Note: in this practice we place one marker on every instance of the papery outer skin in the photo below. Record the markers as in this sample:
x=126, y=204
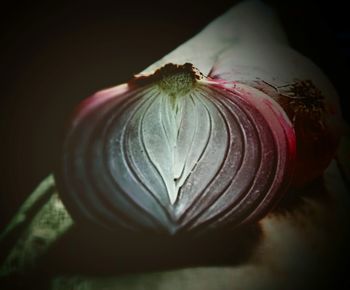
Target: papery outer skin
x=136, y=158
x=252, y=22
x=279, y=66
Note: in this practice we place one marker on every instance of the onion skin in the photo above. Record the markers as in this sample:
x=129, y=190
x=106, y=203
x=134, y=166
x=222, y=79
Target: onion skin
x=301, y=89
x=176, y=152
x=313, y=118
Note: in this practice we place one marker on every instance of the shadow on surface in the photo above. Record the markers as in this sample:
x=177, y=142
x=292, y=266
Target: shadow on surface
x=92, y=252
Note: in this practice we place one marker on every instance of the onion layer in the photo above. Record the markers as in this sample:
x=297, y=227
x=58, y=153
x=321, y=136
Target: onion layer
x=176, y=152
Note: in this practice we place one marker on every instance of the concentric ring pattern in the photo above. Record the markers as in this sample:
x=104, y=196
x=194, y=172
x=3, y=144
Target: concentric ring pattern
x=149, y=161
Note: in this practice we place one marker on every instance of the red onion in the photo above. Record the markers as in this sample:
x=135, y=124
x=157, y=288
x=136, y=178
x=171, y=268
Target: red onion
x=174, y=152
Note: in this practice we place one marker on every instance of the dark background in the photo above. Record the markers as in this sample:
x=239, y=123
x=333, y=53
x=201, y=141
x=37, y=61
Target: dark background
x=55, y=54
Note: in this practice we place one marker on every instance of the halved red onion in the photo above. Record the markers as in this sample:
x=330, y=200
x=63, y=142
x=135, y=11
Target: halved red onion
x=176, y=152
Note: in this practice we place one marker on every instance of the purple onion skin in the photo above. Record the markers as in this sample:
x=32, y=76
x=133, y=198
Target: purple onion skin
x=176, y=152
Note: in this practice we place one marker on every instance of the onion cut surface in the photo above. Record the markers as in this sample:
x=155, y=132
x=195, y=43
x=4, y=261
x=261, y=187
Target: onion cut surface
x=176, y=152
